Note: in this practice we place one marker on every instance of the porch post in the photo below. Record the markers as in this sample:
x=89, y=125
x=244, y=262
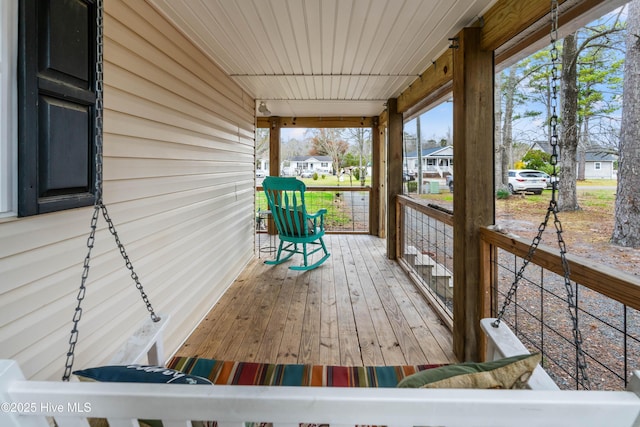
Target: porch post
x=374, y=195
x=473, y=195
x=274, y=161
x=394, y=172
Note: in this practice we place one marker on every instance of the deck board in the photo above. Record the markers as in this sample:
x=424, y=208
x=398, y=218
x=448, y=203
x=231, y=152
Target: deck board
x=357, y=309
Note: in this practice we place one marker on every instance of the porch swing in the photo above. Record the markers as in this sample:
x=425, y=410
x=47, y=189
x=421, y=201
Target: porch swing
x=501, y=341
x=27, y=403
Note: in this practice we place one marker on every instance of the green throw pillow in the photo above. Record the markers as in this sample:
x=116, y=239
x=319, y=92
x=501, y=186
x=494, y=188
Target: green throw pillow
x=511, y=372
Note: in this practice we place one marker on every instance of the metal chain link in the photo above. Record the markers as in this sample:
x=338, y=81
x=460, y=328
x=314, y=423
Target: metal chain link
x=553, y=209
x=128, y=264
x=73, y=339
x=98, y=205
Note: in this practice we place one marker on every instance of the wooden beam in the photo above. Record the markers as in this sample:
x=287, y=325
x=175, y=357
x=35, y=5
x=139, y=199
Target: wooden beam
x=507, y=18
x=318, y=122
x=543, y=31
x=436, y=76
x=500, y=24
x=383, y=119
x=473, y=200
x=394, y=173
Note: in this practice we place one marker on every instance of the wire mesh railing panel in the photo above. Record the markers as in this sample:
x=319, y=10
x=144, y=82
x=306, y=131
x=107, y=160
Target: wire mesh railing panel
x=347, y=207
x=428, y=252
x=539, y=316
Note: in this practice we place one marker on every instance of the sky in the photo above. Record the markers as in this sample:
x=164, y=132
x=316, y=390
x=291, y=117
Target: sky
x=292, y=133
x=435, y=123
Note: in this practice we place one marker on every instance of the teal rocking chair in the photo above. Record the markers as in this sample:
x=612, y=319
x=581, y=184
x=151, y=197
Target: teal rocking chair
x=297, y=229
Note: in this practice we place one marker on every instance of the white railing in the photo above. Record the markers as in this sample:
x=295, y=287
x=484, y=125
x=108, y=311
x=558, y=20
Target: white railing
x=26, y=403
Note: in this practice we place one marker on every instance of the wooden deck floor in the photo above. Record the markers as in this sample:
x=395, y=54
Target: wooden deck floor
x=357, y=309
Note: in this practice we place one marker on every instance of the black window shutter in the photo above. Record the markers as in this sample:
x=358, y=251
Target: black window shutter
x=57, y=101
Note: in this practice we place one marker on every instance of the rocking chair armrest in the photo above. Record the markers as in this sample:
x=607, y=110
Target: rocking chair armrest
x=317, y=214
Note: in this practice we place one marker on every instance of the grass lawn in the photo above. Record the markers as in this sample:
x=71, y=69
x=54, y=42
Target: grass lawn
x=315, y=200
x=329, y=180
x=597, y=183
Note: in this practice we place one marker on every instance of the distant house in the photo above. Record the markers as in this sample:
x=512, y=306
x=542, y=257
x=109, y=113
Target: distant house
x=599, y=165
x=437, y=161
x=598, y=162
x=320, y=164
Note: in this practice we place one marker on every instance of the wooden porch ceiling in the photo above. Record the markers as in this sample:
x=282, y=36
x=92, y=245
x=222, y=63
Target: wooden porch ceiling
x=328, y=58
x=357, y=309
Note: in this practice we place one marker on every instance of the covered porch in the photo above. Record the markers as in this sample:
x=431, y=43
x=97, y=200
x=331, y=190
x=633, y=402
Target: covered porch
x=358, y=309
x=180, y=116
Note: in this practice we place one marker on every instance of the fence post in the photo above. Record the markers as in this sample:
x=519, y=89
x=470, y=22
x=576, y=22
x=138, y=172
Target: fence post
x=488, y=253
x=399, y=228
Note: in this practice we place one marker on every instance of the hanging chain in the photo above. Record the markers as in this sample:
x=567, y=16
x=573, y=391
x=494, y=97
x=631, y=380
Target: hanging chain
x=128, y=264
x=98, y=205
x=553, y=209
x=73, y=339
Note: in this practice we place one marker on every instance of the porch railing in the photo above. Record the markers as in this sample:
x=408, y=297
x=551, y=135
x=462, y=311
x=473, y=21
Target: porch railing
x=347, y=208
x=608, y=303
x=425, y=248
x=608, y=300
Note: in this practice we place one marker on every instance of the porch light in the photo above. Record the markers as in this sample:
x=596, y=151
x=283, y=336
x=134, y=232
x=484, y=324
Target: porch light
x=262, y=108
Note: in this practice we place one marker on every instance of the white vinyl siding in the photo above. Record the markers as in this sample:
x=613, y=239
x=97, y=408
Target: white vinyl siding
x=179, y=185
x=599, y=170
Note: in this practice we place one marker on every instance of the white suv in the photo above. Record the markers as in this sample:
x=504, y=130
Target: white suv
x=527, y=180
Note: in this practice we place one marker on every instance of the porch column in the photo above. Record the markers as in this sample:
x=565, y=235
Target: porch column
x=473, y=195
x=394, y=172
x=374, y=195
x=274, y=160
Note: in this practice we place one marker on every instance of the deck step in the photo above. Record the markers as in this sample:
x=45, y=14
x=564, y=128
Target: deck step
x=435, y=275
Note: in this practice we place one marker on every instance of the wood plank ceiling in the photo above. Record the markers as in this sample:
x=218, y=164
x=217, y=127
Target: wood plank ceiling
x=318, y=58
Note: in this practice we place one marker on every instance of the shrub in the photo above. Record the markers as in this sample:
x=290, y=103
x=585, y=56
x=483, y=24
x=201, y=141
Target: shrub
x=412, y=186
x=324, y=176
x=315, y=176
x=503, y=193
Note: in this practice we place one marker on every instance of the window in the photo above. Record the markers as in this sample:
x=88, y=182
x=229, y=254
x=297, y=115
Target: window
x=56, y=105
x=8, y=107
x=597, y=166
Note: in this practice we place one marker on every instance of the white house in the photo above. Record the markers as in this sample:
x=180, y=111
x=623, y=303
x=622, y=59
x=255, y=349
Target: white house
x=320, y=164
x=599, y=165
x=435, y=161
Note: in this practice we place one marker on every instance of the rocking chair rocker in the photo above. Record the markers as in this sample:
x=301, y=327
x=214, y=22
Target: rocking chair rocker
x=295, y=226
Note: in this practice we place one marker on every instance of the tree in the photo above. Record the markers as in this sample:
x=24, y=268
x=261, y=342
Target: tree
x=513, y=96
x=361, y=137
x=576, y=47
x=500, y=153
x=509, y=84
x=567, y=195
x=262, y=145
x=292, y=148
x=329, y=142
x=599, y=70
x=626, y=230
x=536, y=159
